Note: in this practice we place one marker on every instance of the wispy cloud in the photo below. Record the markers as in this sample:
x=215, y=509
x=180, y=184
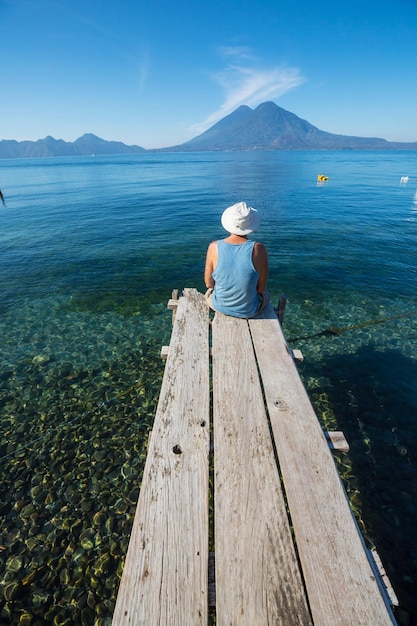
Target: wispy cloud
x=143, y=68
x=244, y=82
x=240, y=52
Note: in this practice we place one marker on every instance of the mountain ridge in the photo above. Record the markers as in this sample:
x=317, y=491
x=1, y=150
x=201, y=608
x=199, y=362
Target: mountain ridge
x=270, y=127
x=85, y=145
x=267, y=127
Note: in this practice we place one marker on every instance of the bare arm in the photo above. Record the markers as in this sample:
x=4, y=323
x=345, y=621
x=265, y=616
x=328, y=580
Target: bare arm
x=260, y=262
x=211, y=262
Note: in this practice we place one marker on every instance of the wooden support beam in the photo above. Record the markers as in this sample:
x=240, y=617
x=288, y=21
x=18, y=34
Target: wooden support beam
x=282, y=303
x=164, y=352
x=297, y=355
x=336, y=440
x=173, y=303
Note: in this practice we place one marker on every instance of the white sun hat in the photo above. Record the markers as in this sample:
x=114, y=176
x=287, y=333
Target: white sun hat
x=240, y=219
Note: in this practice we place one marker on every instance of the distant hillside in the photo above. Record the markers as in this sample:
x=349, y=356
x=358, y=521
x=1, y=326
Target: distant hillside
x=269, y=127
x=49, y=147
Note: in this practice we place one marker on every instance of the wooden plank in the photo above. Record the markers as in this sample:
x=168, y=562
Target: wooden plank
x=172, y=304
x=336, y=440
x=341, y=585
x=165, y=578
x=165, y=350
x=297, y=355
x=258, y=581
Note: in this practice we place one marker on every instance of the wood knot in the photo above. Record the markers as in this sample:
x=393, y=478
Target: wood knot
x=177, y=449
x=281, y=405
x=145, y=573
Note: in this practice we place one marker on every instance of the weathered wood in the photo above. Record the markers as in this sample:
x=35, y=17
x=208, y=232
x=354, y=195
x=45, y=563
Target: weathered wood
x=383, y=577
x=258, y=582
x=341, y=585
x=165, y=350
x=165, y=577
x=264, y=568
x=172, y=304
x=336, y=440
x=297, y=355
x=282, y=303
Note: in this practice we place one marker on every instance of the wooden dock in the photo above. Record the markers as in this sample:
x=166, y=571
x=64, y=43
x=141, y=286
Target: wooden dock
x=287, y=548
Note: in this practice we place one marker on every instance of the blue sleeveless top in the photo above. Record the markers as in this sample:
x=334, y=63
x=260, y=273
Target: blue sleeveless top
x=235, y=280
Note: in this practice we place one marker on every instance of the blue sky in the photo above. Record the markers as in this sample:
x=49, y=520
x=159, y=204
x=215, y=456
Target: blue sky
x=158, y=72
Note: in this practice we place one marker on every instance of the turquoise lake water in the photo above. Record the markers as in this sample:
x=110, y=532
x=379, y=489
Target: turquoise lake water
x=90, y=251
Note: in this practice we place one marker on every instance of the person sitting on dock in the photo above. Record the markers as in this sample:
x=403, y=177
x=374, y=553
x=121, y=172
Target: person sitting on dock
x=236, y=270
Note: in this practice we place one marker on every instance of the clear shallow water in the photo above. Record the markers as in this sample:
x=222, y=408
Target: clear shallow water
x=90, y=250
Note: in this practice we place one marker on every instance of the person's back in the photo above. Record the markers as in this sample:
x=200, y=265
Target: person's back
x=236, y=280
x=236, y=268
